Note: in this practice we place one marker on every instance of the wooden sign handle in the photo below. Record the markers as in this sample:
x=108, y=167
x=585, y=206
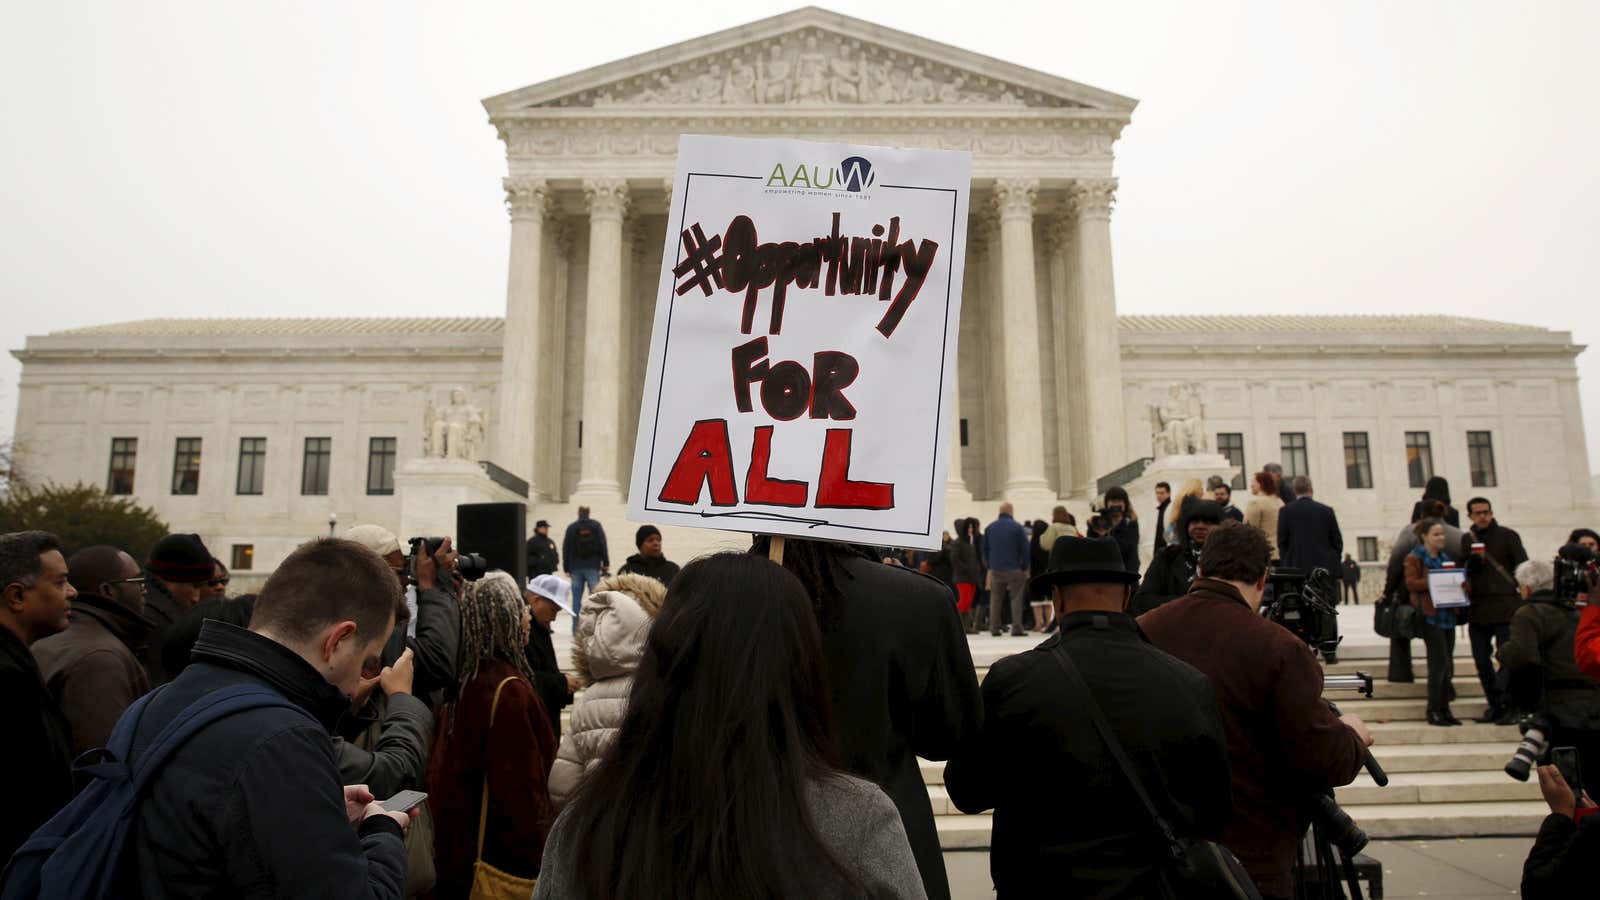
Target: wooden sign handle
x=775, y=549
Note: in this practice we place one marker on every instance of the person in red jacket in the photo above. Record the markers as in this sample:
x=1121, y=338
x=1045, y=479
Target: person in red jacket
x=509, y=758
x=1587, y=642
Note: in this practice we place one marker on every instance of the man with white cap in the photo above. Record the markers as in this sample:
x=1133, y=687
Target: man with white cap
x=434, y=630
x=547, y=595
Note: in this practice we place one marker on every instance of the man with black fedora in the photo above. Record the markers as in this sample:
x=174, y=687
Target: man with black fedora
x=1068, y=825
x=175, y=573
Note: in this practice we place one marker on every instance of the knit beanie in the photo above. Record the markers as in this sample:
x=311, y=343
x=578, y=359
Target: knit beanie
x=644, y=533
x=181, y=559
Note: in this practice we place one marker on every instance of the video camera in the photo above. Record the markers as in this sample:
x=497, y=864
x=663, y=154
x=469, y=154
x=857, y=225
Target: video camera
x=1576, y=572
x=470, y=566
x=1301, y=603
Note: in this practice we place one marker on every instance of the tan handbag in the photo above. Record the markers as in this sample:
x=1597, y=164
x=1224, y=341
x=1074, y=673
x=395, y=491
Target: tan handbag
x=489, y=883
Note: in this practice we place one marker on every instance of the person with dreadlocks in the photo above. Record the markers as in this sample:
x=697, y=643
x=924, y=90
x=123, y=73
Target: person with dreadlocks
x=900, y=677
x=493, y=744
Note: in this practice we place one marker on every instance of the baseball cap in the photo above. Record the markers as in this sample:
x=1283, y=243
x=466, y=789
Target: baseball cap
x=553, y=588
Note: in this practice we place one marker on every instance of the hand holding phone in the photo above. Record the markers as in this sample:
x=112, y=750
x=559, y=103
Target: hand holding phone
x=403, y=801
x=1566, y=762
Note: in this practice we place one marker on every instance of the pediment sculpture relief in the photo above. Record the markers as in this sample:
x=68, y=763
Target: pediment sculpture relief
x=811, y=68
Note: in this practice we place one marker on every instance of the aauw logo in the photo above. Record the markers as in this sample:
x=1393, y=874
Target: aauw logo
x=854, y=175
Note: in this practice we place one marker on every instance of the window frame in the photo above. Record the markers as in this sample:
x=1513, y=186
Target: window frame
x=1291, y=468
x=251, y=479
x=384, y=457
x=126, y=451
x=1364, y=542
x=1238, y=483
x=1473, y=459
x=242, y=557
x=318, y=462
x=1358, y=443
x=192, y=456
x=1419, y=458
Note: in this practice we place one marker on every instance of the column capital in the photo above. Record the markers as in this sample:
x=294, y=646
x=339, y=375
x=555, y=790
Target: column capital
x=608, y=197
x=527, y=198
x=981, y=230
x=1013, y=197
x=1092, y=197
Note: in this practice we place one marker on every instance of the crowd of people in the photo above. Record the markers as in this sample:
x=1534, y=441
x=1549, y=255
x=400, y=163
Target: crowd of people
x=747, y=725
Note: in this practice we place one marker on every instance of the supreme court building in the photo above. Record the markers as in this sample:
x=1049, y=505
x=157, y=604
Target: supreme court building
x=252, y=432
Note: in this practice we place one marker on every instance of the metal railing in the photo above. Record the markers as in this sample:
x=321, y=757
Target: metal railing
x=1123, y=475
x=505, y=479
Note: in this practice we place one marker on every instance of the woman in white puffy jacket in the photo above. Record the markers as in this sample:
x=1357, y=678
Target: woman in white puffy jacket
x=612, y=628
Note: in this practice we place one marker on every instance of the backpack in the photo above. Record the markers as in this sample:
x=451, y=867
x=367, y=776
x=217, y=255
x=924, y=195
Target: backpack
x=585, y=542
x=80, y=851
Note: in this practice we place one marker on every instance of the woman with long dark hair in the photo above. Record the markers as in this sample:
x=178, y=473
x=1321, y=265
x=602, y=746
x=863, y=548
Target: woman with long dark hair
x=721, y=780
x=968, y=573
x=1438, y=489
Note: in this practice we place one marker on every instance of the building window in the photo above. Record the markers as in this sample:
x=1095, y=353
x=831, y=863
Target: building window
x=186, y=466
x=380, y=465
x=1295, y=462
x=1480, y=458
x=252, y=465
x=1419, y=458
x=1367, y=549
x=244, y=556
x=1357, y=460
x=1231, y=445
x=963, y=432
x=124, y=454
x=314, y=470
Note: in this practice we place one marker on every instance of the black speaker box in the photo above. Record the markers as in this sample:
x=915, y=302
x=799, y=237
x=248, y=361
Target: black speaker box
x=497, y=532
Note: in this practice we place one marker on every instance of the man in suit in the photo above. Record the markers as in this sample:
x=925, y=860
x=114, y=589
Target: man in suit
x=1077, y=833
x=1308, y=532
x=1163, y=500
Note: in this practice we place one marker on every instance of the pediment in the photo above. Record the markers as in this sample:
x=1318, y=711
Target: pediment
x=808, y=58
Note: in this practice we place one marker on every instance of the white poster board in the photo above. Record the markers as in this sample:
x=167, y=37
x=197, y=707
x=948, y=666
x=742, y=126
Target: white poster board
x=1445, y=588
x=804, y=347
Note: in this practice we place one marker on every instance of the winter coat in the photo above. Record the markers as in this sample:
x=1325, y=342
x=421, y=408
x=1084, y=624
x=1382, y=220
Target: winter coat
x=1495, y=597
x=513, y=757
x=548, y=679
x=1561, y=863
x=1416, y=580
x=164, y=611
x=964, y=562
x=1542, y=636
x=542, y=555
x=1171, y=572
x=1309, y=536
x=1283, y=741
x=252, y=805
x=389, y=754
x=595, y=559
x=1005, y=545
x=1407, y=541
x=1586, y=646
x=436, y=646
x=1055, y=532
x=36, y=752
x=658, y=567
x=1163, y=712
x=612, y=628
x=1262, y=512
x=91, y=668
x=1126, y=534
x=902, y=686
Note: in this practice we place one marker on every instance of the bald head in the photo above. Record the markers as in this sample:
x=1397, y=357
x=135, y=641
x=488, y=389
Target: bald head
x=1007, y=509
x=1093, y=596
x=94, y=571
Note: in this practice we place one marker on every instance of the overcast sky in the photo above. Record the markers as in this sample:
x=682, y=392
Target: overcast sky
x=332, y=158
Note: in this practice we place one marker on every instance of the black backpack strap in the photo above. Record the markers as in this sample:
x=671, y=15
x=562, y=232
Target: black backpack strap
x=1078, y=685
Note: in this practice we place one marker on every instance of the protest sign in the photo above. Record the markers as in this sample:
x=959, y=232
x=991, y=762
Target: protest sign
x=804, y=345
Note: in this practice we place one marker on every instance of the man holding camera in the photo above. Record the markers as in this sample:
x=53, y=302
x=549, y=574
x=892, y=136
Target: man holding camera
x=1285, y=744
x=1542, y=666
x=1493, y=553
x=433, y=631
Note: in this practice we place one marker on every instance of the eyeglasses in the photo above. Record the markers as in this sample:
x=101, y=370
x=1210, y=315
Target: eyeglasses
x=136, y=579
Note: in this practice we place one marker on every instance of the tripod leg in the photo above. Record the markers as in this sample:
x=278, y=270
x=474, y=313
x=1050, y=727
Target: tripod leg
x=1350, y=876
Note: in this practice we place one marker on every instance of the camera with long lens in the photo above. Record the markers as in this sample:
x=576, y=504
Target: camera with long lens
x=1576, y=572
x=1535, y=742
x=470, y=566
x=1340, y=830
x=1300, y=601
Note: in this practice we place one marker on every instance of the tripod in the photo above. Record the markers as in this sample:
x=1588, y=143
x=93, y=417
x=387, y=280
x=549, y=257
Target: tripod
x=1319, y=867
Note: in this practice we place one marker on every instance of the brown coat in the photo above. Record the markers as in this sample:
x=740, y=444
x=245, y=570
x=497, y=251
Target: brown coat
x=1284, y=743
x=92, y=670
x=1417, y=583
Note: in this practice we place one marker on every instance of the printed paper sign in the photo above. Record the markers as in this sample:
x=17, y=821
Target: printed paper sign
x=805, y=341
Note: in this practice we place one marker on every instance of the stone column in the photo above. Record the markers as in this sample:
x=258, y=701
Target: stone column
x=598, y=476
x=1071, y=426
x=1094, y=295
x=514, y=429
x=955, y=484
x=552, y=433
x=1020, y=328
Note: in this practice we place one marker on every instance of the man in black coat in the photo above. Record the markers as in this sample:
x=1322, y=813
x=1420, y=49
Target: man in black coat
x=1163, y=503
x=1080, y=833
x=176, y=571
x=900, y=677
x=36, y=752
x=262, y=784
x=650, y=560
x=1495, y=598
x=543, y=557
x=1308, y=532
x=548, y=594
x=1122, y=527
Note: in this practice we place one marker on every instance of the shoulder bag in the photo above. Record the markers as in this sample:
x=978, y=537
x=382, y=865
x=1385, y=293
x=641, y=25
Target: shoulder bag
x=489, y=883
x=1194, y=869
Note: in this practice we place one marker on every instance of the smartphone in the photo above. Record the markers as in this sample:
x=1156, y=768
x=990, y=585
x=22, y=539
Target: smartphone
x=1566, y=760
x=403, y=801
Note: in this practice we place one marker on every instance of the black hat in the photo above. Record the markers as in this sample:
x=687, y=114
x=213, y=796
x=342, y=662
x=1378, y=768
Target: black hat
x=181, y=559
x=1075, y=560
x=540, y=524
x=1202, y=511
x=644, y=533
